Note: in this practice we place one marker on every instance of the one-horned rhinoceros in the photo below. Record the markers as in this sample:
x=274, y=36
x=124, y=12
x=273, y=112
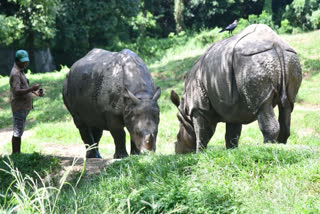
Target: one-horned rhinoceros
x=109, y=91
x=236, y=81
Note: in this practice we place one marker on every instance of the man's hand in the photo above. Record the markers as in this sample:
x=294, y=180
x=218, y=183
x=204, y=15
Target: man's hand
x=35, y=87
x=38, y=93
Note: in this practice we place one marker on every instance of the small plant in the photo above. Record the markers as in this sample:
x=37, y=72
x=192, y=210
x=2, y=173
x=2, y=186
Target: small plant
x=285, y=27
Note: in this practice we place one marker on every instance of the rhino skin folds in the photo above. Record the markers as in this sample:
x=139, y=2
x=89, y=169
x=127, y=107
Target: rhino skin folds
x=237, y=81
x=109, y=91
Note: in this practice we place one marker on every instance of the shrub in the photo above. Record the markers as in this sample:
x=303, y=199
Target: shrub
x=285, y=27
x=315, y=19
x=303, y=14
x=263, y=18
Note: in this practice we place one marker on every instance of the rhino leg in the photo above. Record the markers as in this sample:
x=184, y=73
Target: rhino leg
x=97, y=134
x=203, y=130
x=134, y=150
x=88, y=139
x=233, y=132
x=268, y=123
x=119, y=137
x=284, y=120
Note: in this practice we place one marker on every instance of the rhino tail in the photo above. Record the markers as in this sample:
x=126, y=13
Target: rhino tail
x=283, y=89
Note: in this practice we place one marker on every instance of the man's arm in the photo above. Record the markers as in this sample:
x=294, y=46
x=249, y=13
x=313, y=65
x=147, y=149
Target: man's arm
x=21, y=92
x=15, y=84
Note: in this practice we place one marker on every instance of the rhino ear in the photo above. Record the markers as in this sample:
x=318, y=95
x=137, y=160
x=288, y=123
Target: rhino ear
x=175, y=98
x=131, y=96
x=157, y=94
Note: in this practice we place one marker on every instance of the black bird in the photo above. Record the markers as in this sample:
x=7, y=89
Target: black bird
x=230, y=28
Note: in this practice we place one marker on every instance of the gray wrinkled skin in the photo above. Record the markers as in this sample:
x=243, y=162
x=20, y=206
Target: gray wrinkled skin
x=237, y=81
x=109, y=91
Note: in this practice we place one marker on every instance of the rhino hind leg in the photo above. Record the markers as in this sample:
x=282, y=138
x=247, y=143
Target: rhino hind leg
x=284, y=120
x=233, y=132
x=119, y=137
x=268, y=123
x=88, y=138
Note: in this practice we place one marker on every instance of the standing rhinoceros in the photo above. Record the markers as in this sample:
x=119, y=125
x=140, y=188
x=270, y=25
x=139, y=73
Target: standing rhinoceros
x=107, y=91
x=236, y=81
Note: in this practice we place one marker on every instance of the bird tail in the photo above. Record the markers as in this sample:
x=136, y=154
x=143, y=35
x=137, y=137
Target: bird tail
x=221, y=30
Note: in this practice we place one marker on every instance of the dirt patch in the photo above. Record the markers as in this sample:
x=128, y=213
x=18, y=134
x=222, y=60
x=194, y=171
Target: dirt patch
x=305, y=132
x=71, y=155
x=6, y=136
x=307, y=107
x=72, y=159
x=72, y=167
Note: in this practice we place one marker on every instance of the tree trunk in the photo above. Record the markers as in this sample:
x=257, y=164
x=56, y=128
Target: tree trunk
x=267, y=6
x=178, y=15
x=31, y=49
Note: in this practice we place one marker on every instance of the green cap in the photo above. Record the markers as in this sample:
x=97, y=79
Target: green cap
x=22, y=56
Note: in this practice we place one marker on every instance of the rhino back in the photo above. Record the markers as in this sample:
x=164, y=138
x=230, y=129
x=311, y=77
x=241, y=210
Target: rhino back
x=93, y=87
x=238, y=75
x=137, y=77
x=263, y=64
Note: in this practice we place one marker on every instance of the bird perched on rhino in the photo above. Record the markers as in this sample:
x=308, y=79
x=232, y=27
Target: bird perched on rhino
x=230, y=27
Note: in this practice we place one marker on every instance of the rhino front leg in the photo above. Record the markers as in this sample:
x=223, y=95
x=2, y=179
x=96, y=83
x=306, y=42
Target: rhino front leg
x=134, y=150
x=88, y=139
x=233, y=132
x=97, y=134
x=119, y=137
x=284, y=120
x=268, y=123
x=203, y=130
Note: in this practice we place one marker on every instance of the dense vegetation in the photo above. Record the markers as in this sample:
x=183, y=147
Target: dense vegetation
x=73, y=27
x=255, y=178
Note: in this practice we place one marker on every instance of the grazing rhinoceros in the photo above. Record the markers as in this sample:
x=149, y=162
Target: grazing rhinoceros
x=107, y=91
x=236, y=81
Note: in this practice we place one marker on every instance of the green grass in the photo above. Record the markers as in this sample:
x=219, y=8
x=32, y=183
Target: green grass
x=28, y=165
x=255, y=178
x=251, y=179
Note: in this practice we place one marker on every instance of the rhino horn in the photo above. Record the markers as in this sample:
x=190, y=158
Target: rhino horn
x=156, y=94
x=130, y=95
x=175, y=98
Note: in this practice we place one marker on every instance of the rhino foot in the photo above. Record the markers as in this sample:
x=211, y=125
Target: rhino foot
x=94, y=153
x=119, y=155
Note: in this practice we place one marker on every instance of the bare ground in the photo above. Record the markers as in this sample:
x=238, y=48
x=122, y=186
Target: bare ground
x=72, y=155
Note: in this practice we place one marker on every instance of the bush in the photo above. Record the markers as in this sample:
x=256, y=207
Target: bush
x=303, y=14
x=263, y=18
x=285, y=27
x=315, y=19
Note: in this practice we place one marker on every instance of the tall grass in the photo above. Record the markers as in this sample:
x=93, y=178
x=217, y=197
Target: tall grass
x=27, y=194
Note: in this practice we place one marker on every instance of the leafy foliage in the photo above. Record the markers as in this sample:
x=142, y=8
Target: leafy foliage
x=304, y=14
x=11, y=28
x=84, y=25
x=33, y=22
x=203, y=14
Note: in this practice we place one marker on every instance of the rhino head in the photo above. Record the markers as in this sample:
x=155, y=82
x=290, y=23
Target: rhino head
x=186, y=138
x=141, y=117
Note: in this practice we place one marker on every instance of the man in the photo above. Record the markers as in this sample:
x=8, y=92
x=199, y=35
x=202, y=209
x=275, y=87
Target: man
x=20, y=97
